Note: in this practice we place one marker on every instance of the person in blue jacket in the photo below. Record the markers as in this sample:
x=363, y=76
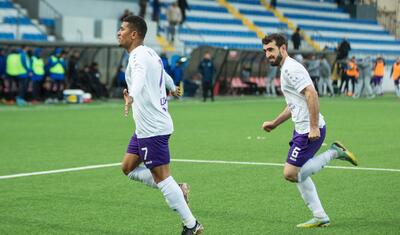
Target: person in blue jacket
x=24, y=74
x=56, y=71
x=38, y=72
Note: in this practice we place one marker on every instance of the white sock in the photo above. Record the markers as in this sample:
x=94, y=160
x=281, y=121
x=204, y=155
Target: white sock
x=143, y=175
x=310, y=196
x=315, y=164
x=175, y=200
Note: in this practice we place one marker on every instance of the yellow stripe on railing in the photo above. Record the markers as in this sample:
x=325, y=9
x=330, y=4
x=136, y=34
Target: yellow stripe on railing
x=241, y=17
x=165, y=44
x=290, y=25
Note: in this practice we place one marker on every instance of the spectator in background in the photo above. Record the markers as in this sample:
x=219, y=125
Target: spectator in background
x=343, y=50
x=344, y=78
x=296, y=39
x=56, y=71
x=183, y=5
x=38, y=73
x=299, y=58
x=165, y=62
x=364, y=80
x=84, y=81
x=273, y=4
x=313, y=67
x=125, y=14
x=245, y=76
x=121, y=77
x=142, y=8
x=2, y=74
x=325, y=81
x=24, y=74
x=118, y=83
x=99, y=89
x=269, y=83
x=174, y=17
x=207, y=70
x=73, y=73
x=353, y=74
x=13, y=67
x=190, y=86
x=177, y=73
x=156, y=11
x=342, y=53
x=156, y=14
x=379, y=72
x=395, y=74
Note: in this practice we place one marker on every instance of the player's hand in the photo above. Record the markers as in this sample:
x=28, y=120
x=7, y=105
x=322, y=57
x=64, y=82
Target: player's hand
x=128, y=102
x=177, y=93
x=314, y=134
x=268, y=126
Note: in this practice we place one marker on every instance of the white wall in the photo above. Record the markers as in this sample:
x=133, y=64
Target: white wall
x=98, y=9
x=109, y=30
x=78, y=17
x=387, y=4
x=77, y=29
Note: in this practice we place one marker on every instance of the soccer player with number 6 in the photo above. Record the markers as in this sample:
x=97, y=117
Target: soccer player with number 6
x=309, y=132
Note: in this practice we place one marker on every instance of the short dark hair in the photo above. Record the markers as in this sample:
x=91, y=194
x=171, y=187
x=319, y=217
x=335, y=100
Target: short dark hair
x=277, y=37
x=137, y=24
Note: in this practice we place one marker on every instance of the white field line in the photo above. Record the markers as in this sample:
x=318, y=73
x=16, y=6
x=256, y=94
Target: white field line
x=187, y=161
x=58, y=171
x=63, y=107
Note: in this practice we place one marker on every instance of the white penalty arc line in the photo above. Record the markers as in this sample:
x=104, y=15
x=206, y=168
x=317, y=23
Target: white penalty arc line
x=185, y=161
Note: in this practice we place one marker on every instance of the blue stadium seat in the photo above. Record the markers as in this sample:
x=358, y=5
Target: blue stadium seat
x=34, y=37
x=328, y=18
x=47, y=22
x=6, y=36
x=256, y=12
x=6, y=4
x=301, y=7
x=15, y=20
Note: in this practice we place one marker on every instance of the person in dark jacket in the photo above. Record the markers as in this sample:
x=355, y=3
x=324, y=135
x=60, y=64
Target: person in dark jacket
x=296, y=39
x=183, y=5
x=73, y=70
x=343, y=50
x=207, y=70
x=142, y=8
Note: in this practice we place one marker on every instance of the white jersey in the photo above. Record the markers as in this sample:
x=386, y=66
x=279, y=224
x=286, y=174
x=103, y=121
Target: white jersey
x=294, y=78
x=147, y=80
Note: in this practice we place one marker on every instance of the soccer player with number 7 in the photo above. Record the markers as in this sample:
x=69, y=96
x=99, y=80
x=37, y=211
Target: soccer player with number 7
x=146, y=94
x=309, y=132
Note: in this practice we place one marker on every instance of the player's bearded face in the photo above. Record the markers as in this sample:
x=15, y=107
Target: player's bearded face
x=275, y=60
x=273, y=54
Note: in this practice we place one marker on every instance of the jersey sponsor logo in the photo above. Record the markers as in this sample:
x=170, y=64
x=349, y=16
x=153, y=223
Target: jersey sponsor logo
x=163, y=103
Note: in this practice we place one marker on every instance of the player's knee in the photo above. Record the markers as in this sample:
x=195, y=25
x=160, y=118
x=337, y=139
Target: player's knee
x=290, y=177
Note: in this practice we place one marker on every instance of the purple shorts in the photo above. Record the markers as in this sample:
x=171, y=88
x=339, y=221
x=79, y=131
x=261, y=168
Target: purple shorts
x=153, y=151
x=302, y=149
x=376, y=80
